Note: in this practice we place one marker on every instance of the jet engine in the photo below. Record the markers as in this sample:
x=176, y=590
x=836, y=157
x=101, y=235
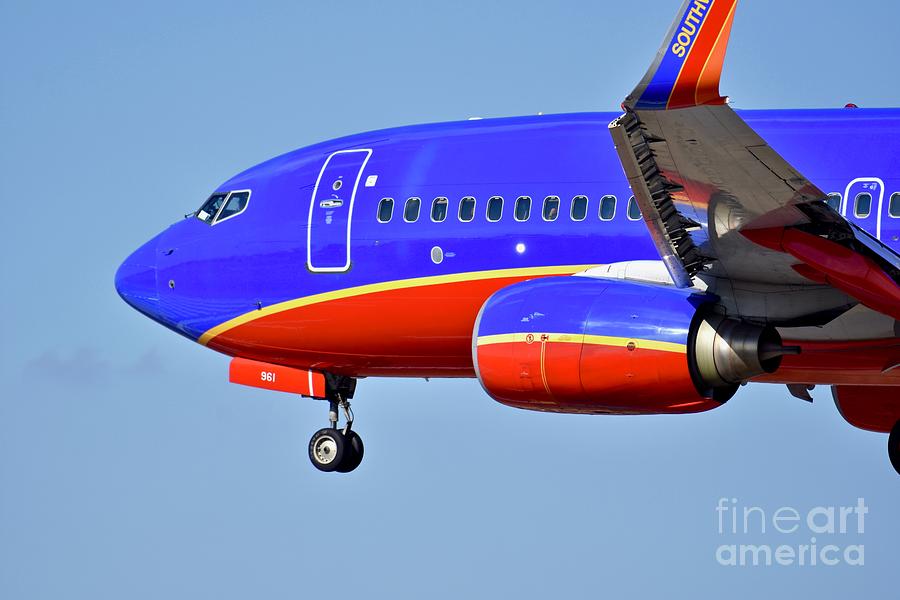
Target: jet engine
x=586, y=345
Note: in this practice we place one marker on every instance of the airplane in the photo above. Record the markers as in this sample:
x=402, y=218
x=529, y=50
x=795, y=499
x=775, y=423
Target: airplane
x=651, y=260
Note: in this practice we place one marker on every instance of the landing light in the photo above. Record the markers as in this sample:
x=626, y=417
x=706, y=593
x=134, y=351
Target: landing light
x=520, y=247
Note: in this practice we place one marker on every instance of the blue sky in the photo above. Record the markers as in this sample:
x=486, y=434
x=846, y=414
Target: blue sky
x=129, y=467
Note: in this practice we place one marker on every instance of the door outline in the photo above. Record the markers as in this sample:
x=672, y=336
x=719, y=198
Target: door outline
x=312, y=202
x=846, y=202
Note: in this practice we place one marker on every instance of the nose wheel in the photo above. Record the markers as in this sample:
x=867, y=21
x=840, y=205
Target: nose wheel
x=894, y=447
x=336, y=449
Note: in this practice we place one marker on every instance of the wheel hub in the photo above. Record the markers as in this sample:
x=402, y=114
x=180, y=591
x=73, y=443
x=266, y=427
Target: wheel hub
x=325, y=450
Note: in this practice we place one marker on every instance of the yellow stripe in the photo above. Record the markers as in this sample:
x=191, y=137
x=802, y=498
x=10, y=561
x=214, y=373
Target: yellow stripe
x=604, y=340
x=387, y=286
x=572, y=338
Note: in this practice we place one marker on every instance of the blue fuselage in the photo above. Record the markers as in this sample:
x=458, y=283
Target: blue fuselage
x=311, y=209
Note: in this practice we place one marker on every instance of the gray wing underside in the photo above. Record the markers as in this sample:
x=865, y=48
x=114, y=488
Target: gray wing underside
x=701, y=176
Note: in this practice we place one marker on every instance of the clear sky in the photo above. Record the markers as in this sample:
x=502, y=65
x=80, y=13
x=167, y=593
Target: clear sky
x=130, y=468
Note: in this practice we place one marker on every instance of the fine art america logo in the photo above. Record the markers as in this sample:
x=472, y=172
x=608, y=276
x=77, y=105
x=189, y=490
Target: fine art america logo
x=790, y=537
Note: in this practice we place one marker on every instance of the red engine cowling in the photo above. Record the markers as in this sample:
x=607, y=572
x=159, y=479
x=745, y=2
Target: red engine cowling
x=870, y=407
x=582, y=345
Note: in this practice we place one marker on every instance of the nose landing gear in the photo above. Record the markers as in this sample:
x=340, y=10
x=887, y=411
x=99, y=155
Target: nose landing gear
x=335, y=449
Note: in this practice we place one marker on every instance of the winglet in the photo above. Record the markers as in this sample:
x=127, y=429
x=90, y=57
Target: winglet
x=688, y=66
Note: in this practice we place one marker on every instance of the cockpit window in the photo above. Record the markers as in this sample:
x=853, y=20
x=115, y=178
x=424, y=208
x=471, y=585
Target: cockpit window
x=235, y=205
x=223, y=205
x=211, y=207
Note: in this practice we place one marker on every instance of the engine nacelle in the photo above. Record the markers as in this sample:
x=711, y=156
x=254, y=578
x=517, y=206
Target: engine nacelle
x=584, y=345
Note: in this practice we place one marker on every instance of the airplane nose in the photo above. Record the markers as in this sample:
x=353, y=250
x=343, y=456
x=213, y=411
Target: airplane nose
x=136, y=279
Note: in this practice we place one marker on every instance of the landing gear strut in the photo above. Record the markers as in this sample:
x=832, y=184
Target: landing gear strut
x=894, y=447
x=337, y=449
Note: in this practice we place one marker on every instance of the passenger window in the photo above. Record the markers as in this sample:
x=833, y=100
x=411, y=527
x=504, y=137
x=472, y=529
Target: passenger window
x=607, y=208
x=467, y=209
x=385, y=210
x=411, y=211
x=579, y=208
x=634, y=211
x=894, y=206
x=551, y=208
x=523, y=208
x=211, y=207
x=862, y=205
x=439, y=209
x=495, y=208
x=834, y=201
x=236, y=204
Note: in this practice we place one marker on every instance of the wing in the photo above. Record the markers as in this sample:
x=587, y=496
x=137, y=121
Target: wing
x=719, y=202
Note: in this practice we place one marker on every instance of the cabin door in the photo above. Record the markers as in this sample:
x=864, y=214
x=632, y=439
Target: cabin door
x=331, y=211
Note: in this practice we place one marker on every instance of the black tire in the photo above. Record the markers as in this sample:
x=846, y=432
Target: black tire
x=353, y=455
x=894, y=447
x=327, y=449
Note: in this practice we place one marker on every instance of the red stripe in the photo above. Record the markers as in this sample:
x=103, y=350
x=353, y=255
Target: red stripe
x=708, y=82
x=413, y=332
